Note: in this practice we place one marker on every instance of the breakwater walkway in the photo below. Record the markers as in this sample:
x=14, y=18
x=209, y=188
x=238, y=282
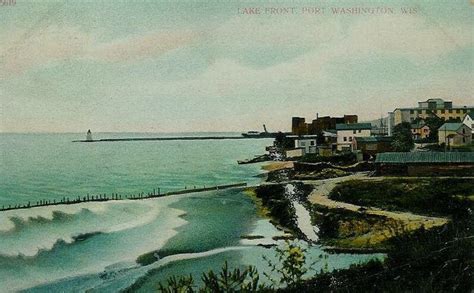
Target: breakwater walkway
x=115, y=196
x=169, y=138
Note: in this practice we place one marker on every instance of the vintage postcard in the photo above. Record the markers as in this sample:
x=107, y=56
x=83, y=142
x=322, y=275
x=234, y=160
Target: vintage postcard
x=236, y=146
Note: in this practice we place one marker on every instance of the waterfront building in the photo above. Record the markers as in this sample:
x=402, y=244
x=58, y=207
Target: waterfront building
x=425, y=163
x=454, y=134
x=294, y=153
x=307, y=143
x=347, y=132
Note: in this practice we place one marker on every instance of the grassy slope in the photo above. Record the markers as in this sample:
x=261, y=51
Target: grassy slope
x=436, y=196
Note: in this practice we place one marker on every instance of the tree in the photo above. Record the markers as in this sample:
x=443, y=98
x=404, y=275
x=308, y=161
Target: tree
x=237, y=280
x=291, y=265
x=434, y=123
x=402, y=139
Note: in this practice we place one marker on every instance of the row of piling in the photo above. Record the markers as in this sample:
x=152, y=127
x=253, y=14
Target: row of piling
x=115, y=197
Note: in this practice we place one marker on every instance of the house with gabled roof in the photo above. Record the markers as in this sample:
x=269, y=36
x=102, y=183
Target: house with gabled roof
x=420, y=130
x=454, y=134
x=347, y=132
x=469, y=121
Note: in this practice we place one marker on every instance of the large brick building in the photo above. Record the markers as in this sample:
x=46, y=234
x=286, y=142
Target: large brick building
x=320, y=124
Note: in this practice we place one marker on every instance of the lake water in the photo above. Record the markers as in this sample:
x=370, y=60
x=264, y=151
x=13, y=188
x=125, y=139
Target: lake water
x=94, y=246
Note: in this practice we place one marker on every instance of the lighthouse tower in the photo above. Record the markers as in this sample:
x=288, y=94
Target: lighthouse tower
x=89, y=135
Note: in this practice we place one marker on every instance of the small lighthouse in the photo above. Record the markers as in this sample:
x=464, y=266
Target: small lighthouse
x=89, y=135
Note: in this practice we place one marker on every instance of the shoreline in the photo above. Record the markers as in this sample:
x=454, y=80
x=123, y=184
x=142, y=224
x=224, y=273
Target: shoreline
x=377, y=222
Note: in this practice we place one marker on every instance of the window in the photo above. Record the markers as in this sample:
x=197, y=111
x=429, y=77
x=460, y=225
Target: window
x=303, y=144
x=463, y=139
x=450, y=111
x=353, y=132
x=443, y=111
x=464, y=111
x=463, y=130
x=345, y=138
x=458, y=111
x=360, y=131
x=350, y=138
x=312, y=142
x=412, y=111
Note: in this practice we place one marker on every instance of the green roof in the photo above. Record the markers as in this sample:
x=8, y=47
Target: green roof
x=425, y=157
x=374, y=139
x=353, y=126
x=450, y=126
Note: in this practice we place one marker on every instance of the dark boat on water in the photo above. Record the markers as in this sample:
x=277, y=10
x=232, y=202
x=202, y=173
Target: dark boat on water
x=258, y=134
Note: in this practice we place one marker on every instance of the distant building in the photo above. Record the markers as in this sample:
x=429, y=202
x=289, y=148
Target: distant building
x=469, y=121
x=420, y=130
x=429, y=108
x=299, y=126
x=347, y=132
x=454, y=134
x=372, y=145
x=320, y=124
x=89, y=135
x=425, y=164
x=326, y=123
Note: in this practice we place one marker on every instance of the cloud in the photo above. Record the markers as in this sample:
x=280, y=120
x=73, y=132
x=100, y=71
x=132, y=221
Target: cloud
x=141, y=47
x=22, y=50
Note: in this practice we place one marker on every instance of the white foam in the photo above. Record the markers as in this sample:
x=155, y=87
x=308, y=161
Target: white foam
x=111, y=217
x=34, y=276
x=303, y=219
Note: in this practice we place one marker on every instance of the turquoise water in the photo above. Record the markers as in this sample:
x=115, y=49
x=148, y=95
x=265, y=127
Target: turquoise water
x=94, y=246
x=50, y=166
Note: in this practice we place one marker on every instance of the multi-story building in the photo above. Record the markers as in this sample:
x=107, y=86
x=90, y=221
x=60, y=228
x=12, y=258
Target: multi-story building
x=320, y=124
x=299, y=126
x=429, y=108
x=347, y=132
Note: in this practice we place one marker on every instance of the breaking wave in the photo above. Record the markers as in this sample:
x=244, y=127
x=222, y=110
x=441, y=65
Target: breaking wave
x=22, y=232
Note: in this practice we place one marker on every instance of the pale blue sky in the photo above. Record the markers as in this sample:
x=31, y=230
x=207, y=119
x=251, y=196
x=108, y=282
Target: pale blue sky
x=170, y=66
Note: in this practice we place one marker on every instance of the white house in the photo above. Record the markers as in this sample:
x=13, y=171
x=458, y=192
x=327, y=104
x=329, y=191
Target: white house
x=469, y=121
x=346, y=133
x=307, y=143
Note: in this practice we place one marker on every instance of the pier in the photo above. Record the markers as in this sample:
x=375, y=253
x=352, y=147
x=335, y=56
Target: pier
x=116, y=197
x=168, y=138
